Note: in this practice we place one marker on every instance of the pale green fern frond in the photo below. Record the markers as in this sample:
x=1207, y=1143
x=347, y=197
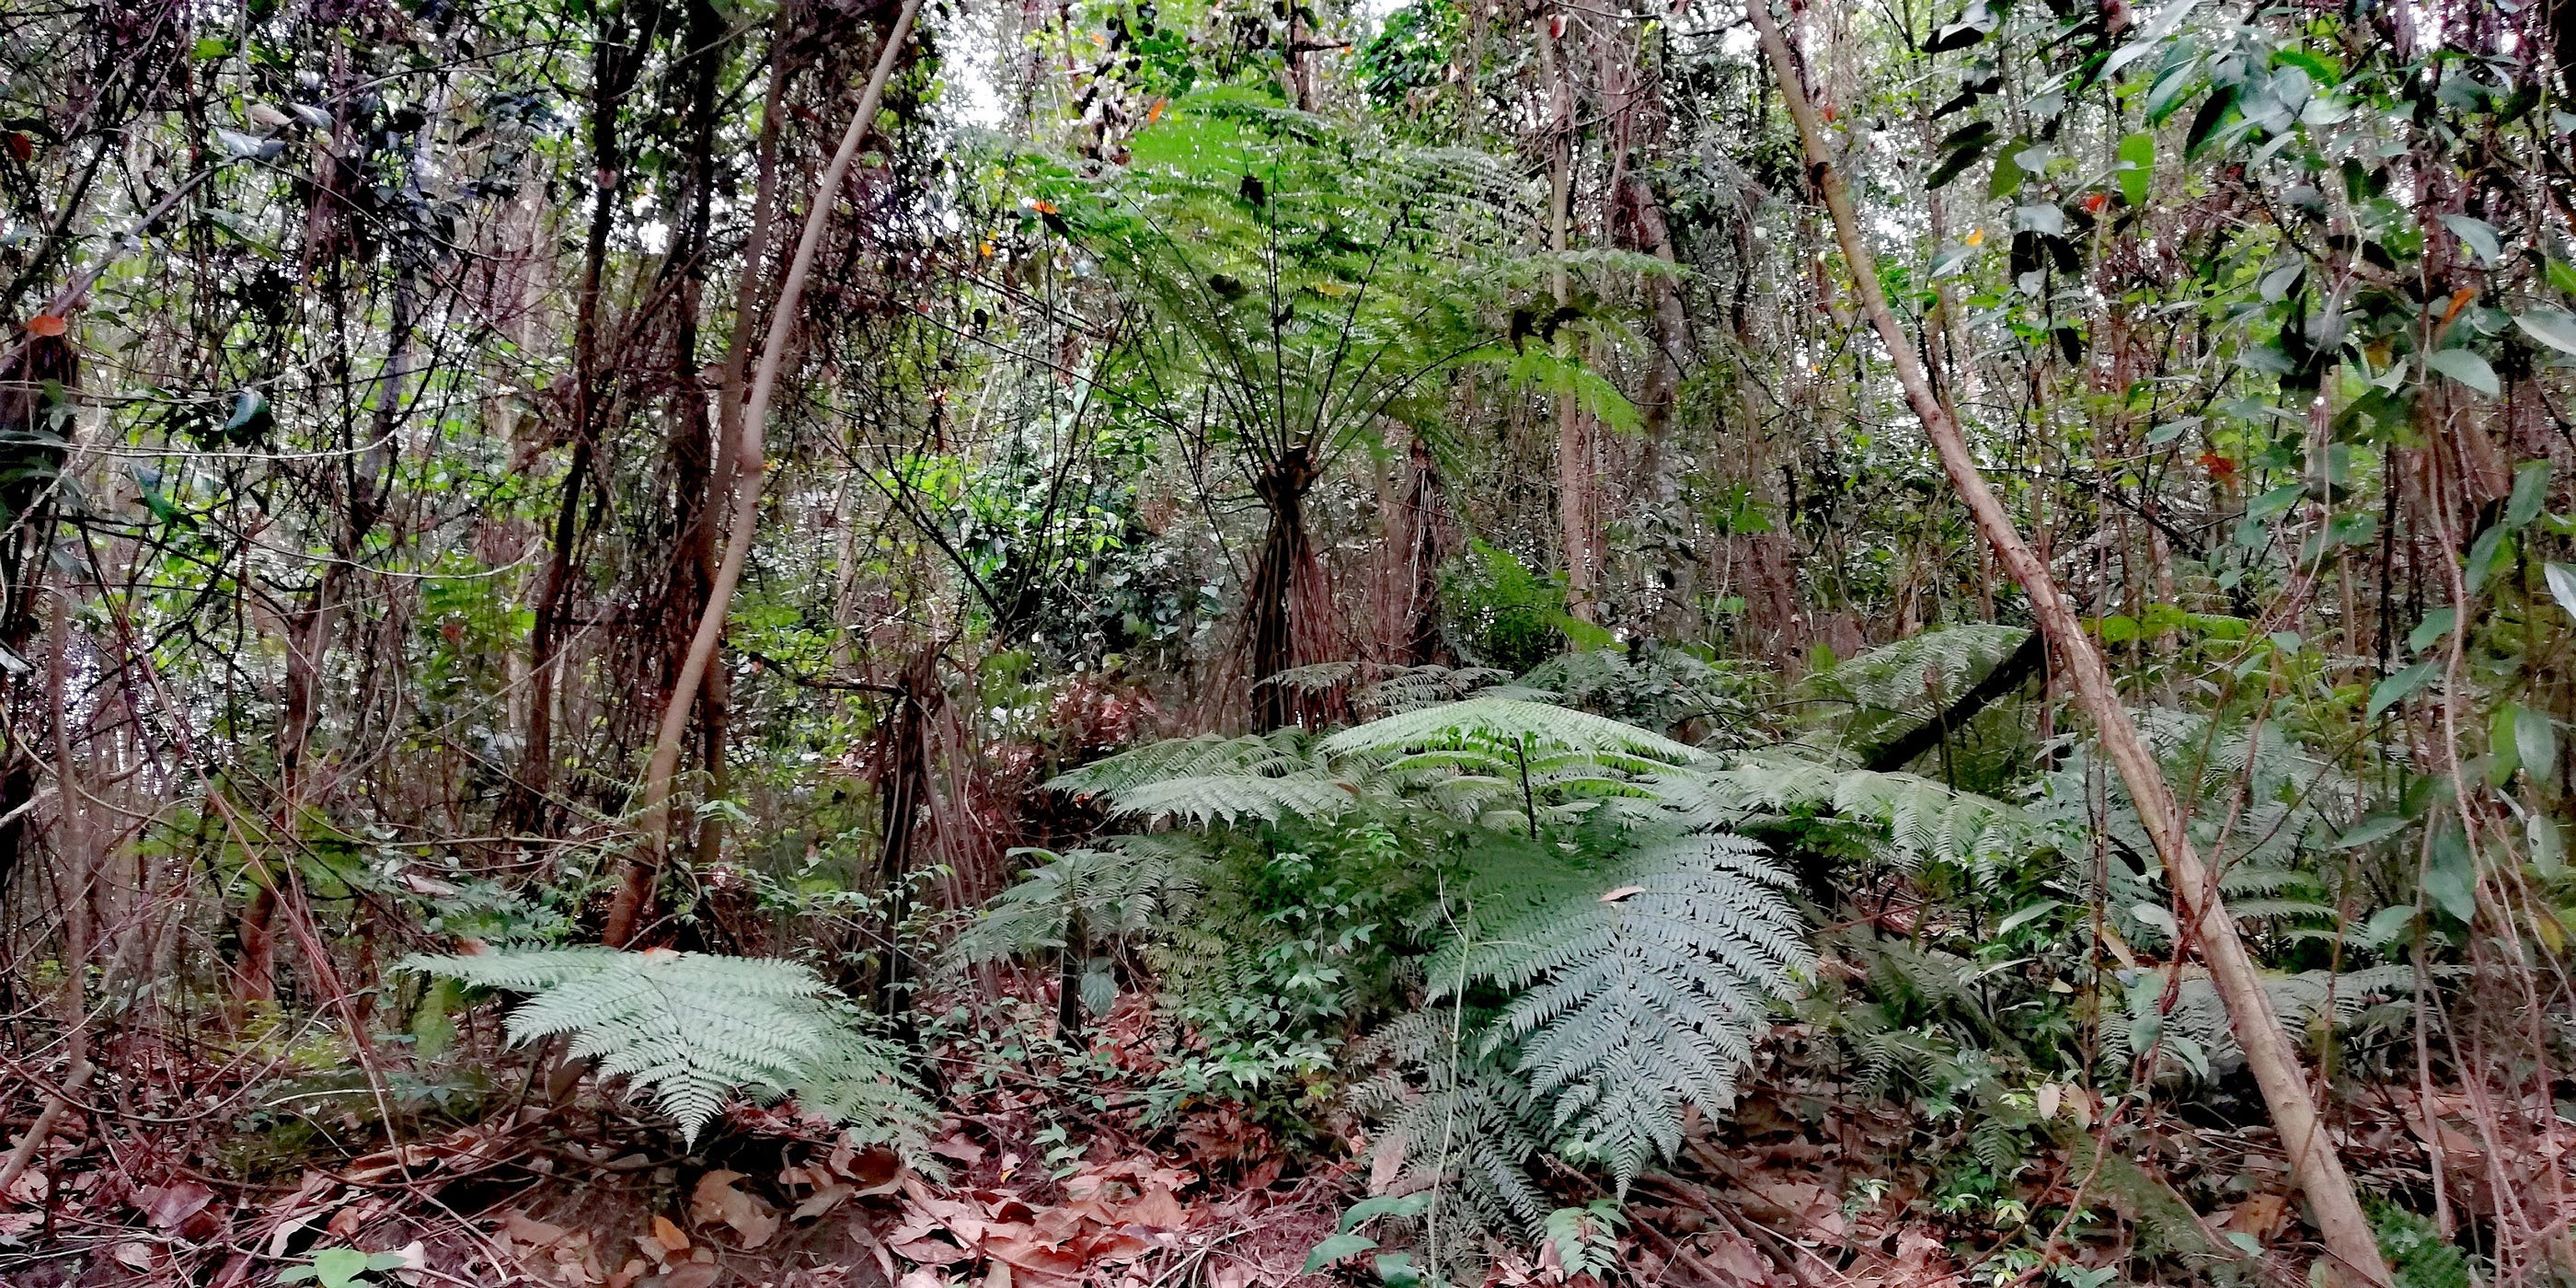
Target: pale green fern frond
x=1639, y=983
x=1118, y=890
x=1513, y=728
x=693, y=1029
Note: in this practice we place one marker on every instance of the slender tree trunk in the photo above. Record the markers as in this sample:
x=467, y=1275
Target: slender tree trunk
x=1285, y=552
x=613, y=66
x=635, y=884
x=1577, y=525
x=2352, y=1249
x=903, y=791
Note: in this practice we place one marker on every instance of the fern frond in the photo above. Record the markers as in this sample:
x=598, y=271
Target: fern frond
x=691, y=1029
x=1512, y=728
x=1639, y=983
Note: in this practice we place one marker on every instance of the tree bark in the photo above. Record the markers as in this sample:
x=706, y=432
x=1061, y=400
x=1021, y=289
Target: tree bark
x=1285, y=552
x=2352, y=1249
x=635, y=886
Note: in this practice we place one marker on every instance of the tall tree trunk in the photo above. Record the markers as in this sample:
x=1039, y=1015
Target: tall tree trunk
x=1577, y=524
x=2352, y=1249
x=903, y=792
x=613, y=67
x=1285, y=554
x=642, y=869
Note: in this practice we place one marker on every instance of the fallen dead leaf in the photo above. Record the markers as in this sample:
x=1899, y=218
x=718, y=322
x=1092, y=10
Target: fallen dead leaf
x=1159, y=1208
x=668, y=1233
x=718, y=1199
x=921, y=1278
x=957, y=1147
x=536, y=1234
x=822, y=1200
x=168, y=1207
x=1736, y=1260
x=695, y=1274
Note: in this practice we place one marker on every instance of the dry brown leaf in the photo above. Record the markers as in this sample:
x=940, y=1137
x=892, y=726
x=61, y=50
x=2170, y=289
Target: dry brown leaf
x=930, y=1252
x=2260, y=1216
x=921, y=1278
x=998, y=1275
x=2048, y=1097
x=170, y=1206
x=669, y=1235
x=630, y=1272
x=822, y=1201
x=1386, y=1161
x=718, y=1199
x=536, y=1234
x=1158, y=1208
x=1735, y=1260
x=695, y=1274
x=964, y=1151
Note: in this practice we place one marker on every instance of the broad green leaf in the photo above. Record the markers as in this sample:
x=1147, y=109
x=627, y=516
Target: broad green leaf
x=2397, y=688
x=2467, y=368
x=2451, y=874
x=2387, y=924
x=2530, y=490
x=338, y=1267
x=2025, y=916
x=1337, y=1248
x=2553, y=327
x=1383, y=1205
x=2478, y=235
x=2562, y=585
x=2563, y=275
x=2535, y=741
x=2503, y=750
x=2138, y=156
x=2483, y=554
x=2435, y=625
x=2376, y=827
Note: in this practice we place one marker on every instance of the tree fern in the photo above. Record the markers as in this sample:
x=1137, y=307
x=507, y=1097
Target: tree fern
x=692, y=1029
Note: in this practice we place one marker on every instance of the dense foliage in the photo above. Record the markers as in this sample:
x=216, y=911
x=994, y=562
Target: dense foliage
x=1364, y=620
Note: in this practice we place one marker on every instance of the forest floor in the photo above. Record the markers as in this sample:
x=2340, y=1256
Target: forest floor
x=1056, y=1169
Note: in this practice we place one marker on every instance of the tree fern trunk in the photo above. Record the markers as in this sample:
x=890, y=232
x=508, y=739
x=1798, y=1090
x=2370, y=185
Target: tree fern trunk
x=1285, y=558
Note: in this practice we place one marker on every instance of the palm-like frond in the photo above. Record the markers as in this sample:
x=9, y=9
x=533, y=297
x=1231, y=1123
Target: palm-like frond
x=693, y=1029
x=1637, y=986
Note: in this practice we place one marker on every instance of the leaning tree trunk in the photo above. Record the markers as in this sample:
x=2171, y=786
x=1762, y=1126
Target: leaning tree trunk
x=1285, y=555
x=743, y=480
x=2352, y=1249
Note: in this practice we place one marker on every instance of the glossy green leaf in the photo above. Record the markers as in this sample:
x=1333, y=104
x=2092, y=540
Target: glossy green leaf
x=2397, y=687
x=2553, y=327
x=2467, y=368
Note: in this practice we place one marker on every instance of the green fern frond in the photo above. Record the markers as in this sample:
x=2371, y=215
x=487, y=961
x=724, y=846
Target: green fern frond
x=1513, y=728
x=1118, y=890
x=692, y=1029
x=1639, y=983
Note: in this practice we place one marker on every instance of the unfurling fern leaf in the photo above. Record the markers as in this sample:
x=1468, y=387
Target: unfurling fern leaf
x=1639, y=983
x=692, y=1029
